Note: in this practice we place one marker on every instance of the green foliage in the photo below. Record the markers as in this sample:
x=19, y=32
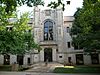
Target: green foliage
x=16, y=37
x=87, y=26
x=54, y=4
x=10, y=5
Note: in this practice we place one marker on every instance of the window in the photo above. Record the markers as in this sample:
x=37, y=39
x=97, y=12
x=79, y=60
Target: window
x=60, y=56
x=56, y=50
x=77, y=46
x=69, y=59
x=68, y=30
x=29, y=30
x=9, y=28
x=68, y=2
x=28, y=60
x=48, y=30
x=68, y=43
x=6, y=59
x=79, y=59
x=95, y=58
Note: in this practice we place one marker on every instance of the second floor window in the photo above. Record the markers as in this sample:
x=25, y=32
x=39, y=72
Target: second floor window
x=48, y=30
x=69, y=45
x=9, y=28
x=68, y=30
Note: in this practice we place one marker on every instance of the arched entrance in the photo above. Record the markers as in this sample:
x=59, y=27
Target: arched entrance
x=48, y=54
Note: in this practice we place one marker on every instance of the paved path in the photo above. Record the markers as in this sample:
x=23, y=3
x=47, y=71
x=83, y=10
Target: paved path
x=42, y=68
x=31, y=73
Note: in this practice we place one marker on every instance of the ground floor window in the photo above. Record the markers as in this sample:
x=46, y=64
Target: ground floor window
x=95, y=58
x=79, y=59
x=69, y=59
x=28, y=60
x=20, y=59
x=6, y=59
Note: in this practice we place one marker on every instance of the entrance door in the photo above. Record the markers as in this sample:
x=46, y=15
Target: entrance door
x=48, y=54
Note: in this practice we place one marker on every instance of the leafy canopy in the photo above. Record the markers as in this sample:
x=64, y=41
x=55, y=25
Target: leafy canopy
x=87, y=26
x=16, y=37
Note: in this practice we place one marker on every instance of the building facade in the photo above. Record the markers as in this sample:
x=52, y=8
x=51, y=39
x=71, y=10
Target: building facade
x=52, y=32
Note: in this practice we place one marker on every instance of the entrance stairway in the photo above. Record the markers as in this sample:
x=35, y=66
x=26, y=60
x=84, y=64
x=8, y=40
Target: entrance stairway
x=43, y=68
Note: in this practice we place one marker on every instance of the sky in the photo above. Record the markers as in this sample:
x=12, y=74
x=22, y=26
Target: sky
x=69, y=9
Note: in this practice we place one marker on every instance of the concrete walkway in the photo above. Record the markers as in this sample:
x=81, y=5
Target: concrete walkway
x=42, y=68
x=31, y=73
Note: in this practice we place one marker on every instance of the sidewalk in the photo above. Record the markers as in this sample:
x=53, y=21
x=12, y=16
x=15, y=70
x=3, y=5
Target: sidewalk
x=42, y=68
x=30, y=73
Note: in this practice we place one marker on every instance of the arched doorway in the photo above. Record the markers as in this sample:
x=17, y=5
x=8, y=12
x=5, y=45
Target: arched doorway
x=48, y=54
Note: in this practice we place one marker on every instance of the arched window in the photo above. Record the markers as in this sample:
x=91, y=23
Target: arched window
x=48, y=30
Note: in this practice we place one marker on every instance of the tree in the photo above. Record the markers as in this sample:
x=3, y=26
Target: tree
x=10, y=5
x=59, y=3
x=16, y=38
x=87, y=26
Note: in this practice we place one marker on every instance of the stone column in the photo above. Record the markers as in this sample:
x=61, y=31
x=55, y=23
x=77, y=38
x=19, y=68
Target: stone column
x=42, y=55
x=13, y=59
x=73, y=59
x=32, y=58
x=87, y=59
x=26, y=59
x=54, y=54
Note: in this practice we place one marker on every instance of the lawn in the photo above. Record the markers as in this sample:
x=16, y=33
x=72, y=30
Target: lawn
x=77, y=69
x=9, y=68
x=5, y=67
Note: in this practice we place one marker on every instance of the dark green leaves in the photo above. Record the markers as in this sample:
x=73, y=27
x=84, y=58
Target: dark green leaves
x=87, y=26
x=12, y=4
x=17, y=39
x=54, y=4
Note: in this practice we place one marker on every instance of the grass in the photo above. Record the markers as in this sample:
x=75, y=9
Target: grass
x=5, y=67
x=9, y=68
x=77, y=69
